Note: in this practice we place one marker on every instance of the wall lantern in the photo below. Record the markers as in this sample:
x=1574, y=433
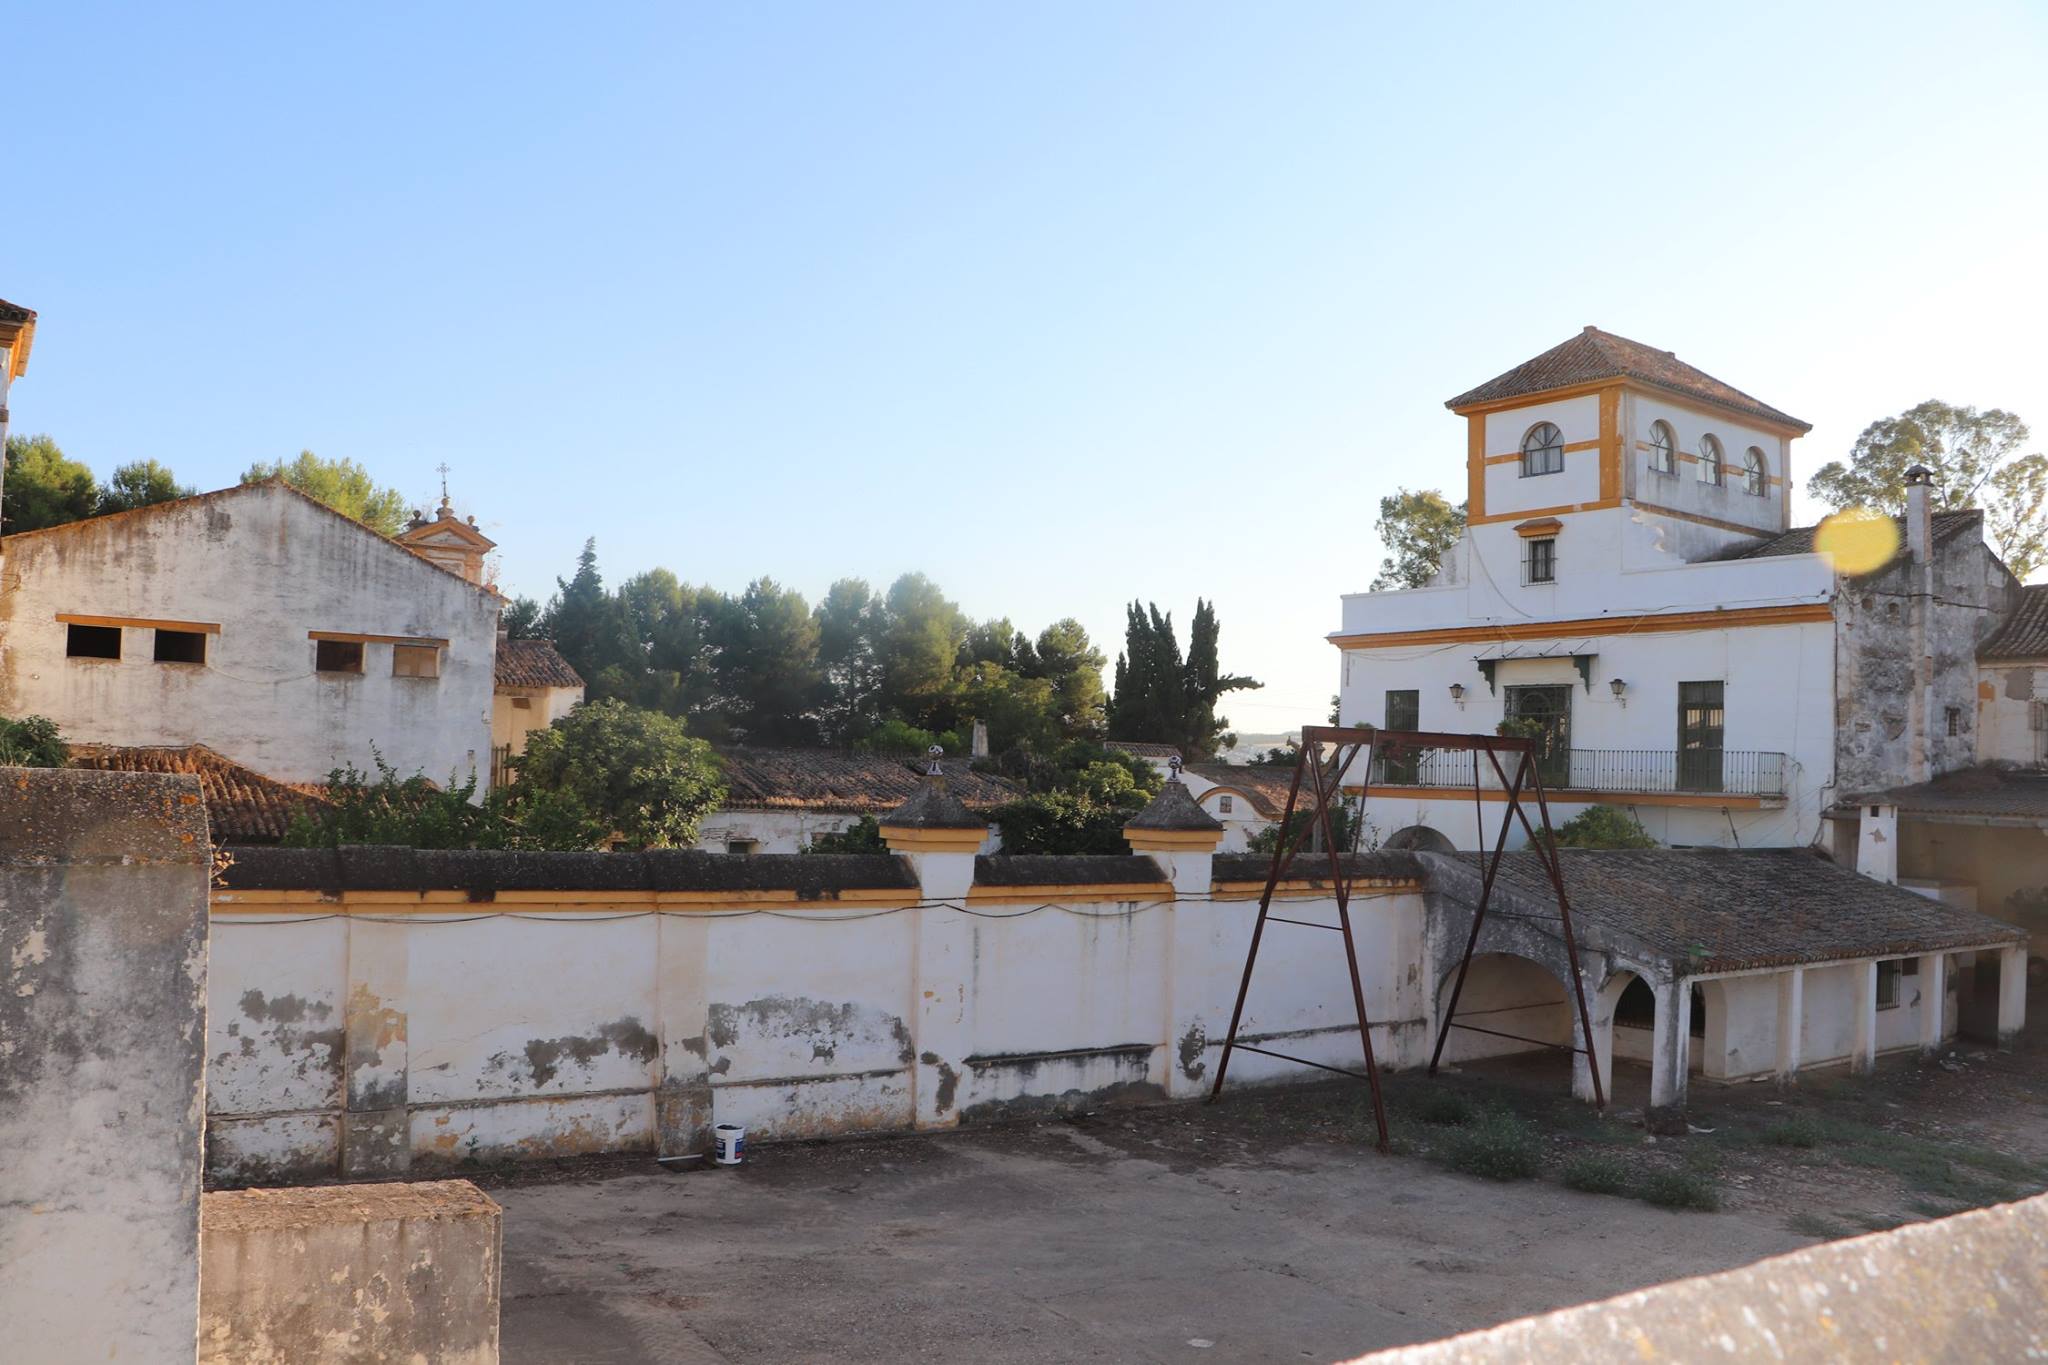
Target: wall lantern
x=1617, y=687
x=1458, y=694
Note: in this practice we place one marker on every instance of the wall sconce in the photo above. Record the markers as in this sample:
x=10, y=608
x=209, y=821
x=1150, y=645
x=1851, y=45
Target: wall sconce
x=1458, y=694
x=1617, y=687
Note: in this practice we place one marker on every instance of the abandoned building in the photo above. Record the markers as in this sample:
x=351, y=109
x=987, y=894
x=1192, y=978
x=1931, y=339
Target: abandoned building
x=139, y=629
x=778, y=800
x=1630, y=587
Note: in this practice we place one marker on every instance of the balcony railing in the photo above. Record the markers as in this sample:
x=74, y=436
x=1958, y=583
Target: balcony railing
x=1621, y=772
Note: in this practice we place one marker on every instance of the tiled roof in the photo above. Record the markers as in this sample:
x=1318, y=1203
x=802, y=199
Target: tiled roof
x=1174, y=809
x=931, y=806
x=1984, y=792
x=1594, y=355
x=2024, y=634
x=242, y=805
x=14, y=312
x=1265, y=783
x=1712, y=910
x=838, y=781
x=1800, y=539
x=533, y=663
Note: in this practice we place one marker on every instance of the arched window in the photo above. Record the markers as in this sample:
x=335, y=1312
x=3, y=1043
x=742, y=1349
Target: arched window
x=1710, y=460
x=1663, y=448
x=1754, y=481
x=1543, y=450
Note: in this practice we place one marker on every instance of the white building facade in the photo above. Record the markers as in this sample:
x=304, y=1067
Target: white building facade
x=256, y=621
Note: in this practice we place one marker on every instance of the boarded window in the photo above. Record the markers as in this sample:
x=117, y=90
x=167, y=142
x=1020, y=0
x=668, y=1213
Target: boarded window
x=338, y=656
x=415, y=661
x=181, y=646
x=92, y=642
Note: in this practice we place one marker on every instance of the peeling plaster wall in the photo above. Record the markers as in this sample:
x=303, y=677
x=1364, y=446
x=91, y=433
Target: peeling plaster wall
x=103, y=932
x=391, y=1272
x=257, y=698
x=454, y=1035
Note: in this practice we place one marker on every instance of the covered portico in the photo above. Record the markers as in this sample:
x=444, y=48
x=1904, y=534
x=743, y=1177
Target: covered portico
x=1726, y=963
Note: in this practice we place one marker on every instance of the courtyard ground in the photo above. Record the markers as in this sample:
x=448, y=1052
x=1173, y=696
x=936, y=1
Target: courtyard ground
x=1261, y=1229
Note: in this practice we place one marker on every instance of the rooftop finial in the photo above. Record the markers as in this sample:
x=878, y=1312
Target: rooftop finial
x=933, y=767
x=443, y=468
x=1173, y=766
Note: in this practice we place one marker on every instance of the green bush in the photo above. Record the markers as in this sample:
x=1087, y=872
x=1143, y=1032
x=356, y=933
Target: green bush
x=1445, y=1108
x=1802, y=1131
x=1596, y=1173
x=1495, y=1147
x=32, y=742
x=1680, y=1190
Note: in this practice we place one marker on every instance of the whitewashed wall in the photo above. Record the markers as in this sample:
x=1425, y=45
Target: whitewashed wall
x=267, y=565
x=381, y=1036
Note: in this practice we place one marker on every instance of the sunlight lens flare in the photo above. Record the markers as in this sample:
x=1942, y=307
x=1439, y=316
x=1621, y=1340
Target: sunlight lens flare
x=1858, y=540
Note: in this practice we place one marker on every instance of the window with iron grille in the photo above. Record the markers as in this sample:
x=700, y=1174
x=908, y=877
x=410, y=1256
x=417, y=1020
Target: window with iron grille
x=1540, y=565
x=1754, y=481
x=1663, y=448
x=1543, y=450
x=1954, y=716
x=1888, y=974
x=1404, y=712
x=1702, y=720
x=1710, y=460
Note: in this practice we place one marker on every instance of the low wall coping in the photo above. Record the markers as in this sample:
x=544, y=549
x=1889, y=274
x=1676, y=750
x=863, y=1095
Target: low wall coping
x=68, y=815
x=230, y=1211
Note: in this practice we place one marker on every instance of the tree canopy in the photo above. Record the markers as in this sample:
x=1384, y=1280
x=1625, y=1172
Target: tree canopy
x=1418, y=528
x=1978, y=460
x=43, y=486
x=141, y=483
x=1161, y=697
x=343, y=485
x=902, y=668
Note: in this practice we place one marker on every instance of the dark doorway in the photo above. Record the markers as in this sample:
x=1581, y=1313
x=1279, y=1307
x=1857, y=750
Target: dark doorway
x=1701, y=720
x=1977, y=997
x=1551, y=708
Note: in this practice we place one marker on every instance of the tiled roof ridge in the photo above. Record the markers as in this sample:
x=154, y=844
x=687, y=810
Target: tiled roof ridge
x=2023, y=634
x=1593, y=354
x=508, y=669
x=1174, y=809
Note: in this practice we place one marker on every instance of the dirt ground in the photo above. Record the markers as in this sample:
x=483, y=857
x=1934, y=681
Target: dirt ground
x=1264, y=1228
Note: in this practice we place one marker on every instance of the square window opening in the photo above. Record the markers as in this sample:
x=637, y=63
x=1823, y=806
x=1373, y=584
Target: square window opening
x=522, y=703
x=1541, y=565
x=415, y=661
x=92, y=642
x=1223, y=804
x=181, y=646
x=742, y=847
x=338, y=656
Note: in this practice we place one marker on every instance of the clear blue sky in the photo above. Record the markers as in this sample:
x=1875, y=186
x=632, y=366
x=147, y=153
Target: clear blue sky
x=1062, y=304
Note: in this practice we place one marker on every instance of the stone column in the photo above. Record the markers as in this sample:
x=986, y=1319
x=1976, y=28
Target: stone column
x=939, y=838
x=1863, y=999
x=1791, y=1023
x=1670, y=1044
x=2012, y=993
x=1933, y=1001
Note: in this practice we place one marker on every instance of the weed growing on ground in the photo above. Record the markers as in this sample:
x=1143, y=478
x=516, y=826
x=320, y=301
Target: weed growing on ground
x=1801, y=1131
x=1813, y=1225
x=1595, y=1173
x=1498, y=1146
x=1680, y=1190
x=1445, y=1108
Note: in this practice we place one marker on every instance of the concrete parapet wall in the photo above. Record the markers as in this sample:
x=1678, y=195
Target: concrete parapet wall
x=103, y=893
x=389, y=1272
x=391, y=1029
x=1969, y=1287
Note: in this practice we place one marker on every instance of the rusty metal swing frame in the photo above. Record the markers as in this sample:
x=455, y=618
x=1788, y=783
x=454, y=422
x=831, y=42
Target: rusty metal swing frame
x=1346, y=744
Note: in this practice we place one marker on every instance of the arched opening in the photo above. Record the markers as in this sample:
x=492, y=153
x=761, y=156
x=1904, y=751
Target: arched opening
x=1510, y=1005
x=1421, y=839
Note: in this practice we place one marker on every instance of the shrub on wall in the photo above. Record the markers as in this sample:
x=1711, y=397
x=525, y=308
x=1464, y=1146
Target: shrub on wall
x=32, y=742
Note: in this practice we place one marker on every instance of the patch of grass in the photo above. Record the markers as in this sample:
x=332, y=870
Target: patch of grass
x=1595, y=1173
x=1813, y=1225
x=1444, y=1108
x=1496, y=1146
x=1680, y=1190
x=1802, y=1131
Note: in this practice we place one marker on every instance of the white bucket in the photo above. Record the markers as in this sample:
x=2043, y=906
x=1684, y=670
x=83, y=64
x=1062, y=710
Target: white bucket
x=732, y=1143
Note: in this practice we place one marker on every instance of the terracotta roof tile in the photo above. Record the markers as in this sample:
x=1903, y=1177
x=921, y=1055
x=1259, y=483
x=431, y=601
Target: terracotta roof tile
x=1721, y=910
x=2024, y=634
x=1594, y=355
x=242, y=805
x=838, y=781
x=533, y=663
x=1174, y=809
x=1142, y=750
x=14, y=312
x=1265, y=784
x=1987, y=791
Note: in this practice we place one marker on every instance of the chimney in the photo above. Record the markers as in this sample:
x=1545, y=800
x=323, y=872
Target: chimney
x=979, y=747
x=1920, y=514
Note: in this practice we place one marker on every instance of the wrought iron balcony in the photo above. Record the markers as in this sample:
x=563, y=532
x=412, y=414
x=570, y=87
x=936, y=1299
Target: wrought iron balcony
x=1618, y=772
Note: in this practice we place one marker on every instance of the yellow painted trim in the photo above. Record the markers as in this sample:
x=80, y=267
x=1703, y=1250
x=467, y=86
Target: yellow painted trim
x=1726, y=619
x=351, y=637
x=1700, y=801
x=72, y=618
x=904, y=840
x=1574, y=448
x=1542, y=526
x=1171, y=840
x=20, y=339
x=1610, y=442
x=1058, y=891
x=1567, y=508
